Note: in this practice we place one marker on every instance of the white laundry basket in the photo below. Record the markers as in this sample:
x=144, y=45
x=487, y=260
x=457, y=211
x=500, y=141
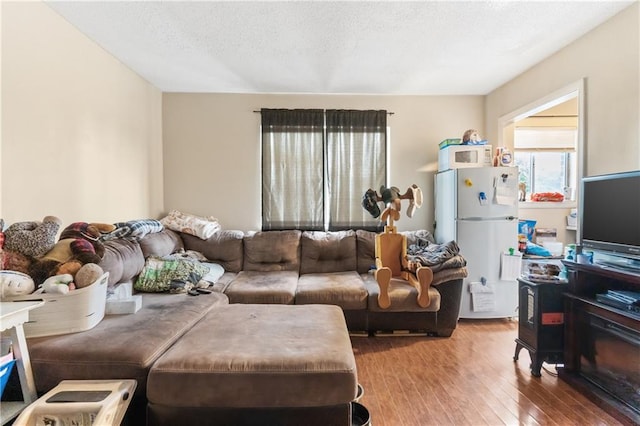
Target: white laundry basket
x=79, y=310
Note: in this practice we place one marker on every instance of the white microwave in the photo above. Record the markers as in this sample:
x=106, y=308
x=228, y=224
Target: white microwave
x=459, y=156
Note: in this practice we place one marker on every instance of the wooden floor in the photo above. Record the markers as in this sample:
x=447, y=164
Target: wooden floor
x=469, y=378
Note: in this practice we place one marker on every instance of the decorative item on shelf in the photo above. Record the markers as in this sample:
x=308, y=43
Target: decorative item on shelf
x=448, y=142
x=506, y=159
x=472, y=137
x=522, y=191
x=503, y=158
x=522, y=243
x=572, y=218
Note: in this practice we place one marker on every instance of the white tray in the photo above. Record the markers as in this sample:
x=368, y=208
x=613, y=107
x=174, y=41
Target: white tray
x=81, y=403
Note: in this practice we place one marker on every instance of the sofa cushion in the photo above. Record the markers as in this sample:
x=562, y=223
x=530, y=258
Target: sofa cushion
x=278, y=287
x=327, y=251
x=366, y=250
x=402, y=294
x=259, y=356
x=161, y=243
x=272, y=251
x=123, y=259
x=120, y=346
x=344, y=289
x=224, y=281
x=224, y=247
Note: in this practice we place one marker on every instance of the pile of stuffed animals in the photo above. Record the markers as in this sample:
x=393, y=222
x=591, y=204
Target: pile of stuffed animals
x=31, y=259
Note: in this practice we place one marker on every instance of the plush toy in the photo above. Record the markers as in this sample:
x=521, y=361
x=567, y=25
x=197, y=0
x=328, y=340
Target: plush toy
x=32, y=238
x=81, y=233
x=58, y=284
x=472, y=137
x=12, y=260
x=87, y=275
x=14, y=284
x=64, y=283
x=80, y=243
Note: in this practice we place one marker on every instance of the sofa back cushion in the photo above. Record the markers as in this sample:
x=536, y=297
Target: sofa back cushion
x=123, y=259
x=366, y=243
x=267, y=251
x=323, y=252
x=224, y=247
x=161, y=243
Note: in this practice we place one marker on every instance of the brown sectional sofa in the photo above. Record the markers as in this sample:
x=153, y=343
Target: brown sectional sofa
x=294, y=267
x=271, y=267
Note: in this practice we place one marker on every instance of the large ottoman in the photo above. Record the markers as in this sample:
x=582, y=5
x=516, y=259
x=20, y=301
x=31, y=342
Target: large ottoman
x=256, y=365
x=120, y=346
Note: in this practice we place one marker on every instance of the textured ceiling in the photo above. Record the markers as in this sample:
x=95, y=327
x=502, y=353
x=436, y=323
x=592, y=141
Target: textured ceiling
x=348, y=47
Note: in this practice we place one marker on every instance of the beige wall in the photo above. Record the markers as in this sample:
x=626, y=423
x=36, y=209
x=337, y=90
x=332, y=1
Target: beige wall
x=212, y=148
x=81, y=133
x=608, y=59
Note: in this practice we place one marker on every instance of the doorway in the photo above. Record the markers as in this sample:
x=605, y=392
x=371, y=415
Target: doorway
x=561, y=115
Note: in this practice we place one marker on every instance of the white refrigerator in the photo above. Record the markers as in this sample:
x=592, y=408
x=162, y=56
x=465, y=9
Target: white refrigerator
x=478, y=208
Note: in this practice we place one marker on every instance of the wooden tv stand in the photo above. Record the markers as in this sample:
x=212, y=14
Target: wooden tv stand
x=602, y=342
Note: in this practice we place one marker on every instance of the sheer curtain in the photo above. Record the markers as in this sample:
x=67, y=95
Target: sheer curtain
x=356, y=161
x=292, y=169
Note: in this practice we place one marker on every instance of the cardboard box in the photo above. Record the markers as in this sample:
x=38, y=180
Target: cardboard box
x=545, y=234
x=129, y=305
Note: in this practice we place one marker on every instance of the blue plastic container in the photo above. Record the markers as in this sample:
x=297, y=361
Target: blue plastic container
x=5, y=372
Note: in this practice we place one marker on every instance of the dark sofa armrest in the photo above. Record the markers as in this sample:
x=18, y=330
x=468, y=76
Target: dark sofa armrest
x=450, y=297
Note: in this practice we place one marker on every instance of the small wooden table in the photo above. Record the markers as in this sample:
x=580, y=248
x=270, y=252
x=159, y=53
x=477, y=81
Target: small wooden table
x=12, y=316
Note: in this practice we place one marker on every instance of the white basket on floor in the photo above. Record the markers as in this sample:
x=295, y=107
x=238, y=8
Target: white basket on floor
x=79, y=310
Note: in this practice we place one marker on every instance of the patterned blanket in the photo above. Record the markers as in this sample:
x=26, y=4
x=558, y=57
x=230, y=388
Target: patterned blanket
x=134, y=229
x=436, y=256
x=169, y=274
x=201, y=227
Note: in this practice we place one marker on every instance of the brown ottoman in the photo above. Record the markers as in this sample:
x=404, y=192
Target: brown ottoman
x=257, y=364
x=120, y=346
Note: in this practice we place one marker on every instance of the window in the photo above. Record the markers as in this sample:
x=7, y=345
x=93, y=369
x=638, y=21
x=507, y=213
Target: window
x=546, y=159
x=317, y=165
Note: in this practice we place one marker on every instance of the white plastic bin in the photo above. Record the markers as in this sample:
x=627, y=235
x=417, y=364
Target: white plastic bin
x=80, y=403
x=79, y=310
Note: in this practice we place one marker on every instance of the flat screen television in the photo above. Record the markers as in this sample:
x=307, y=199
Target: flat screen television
x=610, y=215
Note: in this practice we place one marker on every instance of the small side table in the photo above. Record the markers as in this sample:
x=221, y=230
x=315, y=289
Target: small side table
x=540, y=323
x=12, y=316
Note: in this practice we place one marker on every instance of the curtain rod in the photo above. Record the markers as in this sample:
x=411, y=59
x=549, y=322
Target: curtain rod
x=388, y=112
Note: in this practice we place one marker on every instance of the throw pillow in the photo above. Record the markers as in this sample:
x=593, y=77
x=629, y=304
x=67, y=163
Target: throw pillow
x=214, y=274
x=169, y=274
x=201, y=227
